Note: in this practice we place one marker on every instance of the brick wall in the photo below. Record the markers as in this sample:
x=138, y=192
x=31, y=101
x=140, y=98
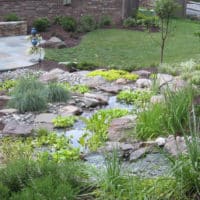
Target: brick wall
x=30, y=9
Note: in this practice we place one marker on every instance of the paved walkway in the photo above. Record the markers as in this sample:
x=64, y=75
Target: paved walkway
x=13, y=53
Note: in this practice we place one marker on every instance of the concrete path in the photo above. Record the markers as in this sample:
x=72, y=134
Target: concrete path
x=193, y=9
x=13, y=53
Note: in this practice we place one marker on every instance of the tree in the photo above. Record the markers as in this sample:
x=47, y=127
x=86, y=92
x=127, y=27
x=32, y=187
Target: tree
x=165, y=10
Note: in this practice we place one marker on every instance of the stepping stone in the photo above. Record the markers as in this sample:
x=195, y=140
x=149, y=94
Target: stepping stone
x=45, y=118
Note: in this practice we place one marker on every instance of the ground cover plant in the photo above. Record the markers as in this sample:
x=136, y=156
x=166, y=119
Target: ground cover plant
x=64, y=122
x=113, y=74
x=137, y=97
x=129, y=49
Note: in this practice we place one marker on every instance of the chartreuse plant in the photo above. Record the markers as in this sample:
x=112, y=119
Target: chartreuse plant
x=113, y=74
x=137, y=97
x=7, y=84
x=53, y=146
x=75, y=88
x=97, y=127
x=64, y=122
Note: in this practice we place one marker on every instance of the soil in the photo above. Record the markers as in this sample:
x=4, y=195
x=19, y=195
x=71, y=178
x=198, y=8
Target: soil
x=70, y=39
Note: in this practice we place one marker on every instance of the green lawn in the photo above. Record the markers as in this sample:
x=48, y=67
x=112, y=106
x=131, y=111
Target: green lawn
x=126, y=48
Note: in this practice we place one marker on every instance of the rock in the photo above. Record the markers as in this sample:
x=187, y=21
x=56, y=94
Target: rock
x=160, y=141
x=70, y=110
x=143, y=83
x=4, y=100
x=95, y=82
x=129, y=147
x=175, y=146
x=93, y=100
x=142, y=73
x=48, y=126
x=45, y=118
x=163, y=79
x=109, y=147
x=113, y=89
x=122, y=81
x=175, y=85
x=8, y=111
x=53, y=75
x=54, y=42
x=135, y=155
x=16, y=129
x=55, y=39
x=119, y=127
x=157, y=98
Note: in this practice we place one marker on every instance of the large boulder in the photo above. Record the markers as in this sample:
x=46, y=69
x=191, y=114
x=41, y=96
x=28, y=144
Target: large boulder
x=14, y=128
x=143, y=83
x=45, y=118
x=52, y=75
x=70, y=110
x=119, y=128
x=93, y=100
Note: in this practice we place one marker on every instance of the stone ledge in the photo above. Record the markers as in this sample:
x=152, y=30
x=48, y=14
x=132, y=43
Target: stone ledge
x=13, y=28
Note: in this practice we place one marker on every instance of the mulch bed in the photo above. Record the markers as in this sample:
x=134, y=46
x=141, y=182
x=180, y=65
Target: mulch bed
x=70, y=39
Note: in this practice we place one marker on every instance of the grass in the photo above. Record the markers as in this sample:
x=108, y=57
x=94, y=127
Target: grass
x=127, y=48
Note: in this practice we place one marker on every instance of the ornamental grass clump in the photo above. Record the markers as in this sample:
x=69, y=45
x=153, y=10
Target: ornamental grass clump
x=29, y=95
x=113, y=74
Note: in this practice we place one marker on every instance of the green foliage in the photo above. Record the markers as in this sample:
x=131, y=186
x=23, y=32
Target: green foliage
x=27, y=179
x=11, y=17
x=166, y=118
x=44, y=145
x=64, y=122
x=165, y=8
x=125, y=49
x=112, y=75
x=105, y=20
x=97, y=127
x=41, y=24
x=29, y=95
x=129, y=22
x=87, y=24
x=75, y=88
x=68, y=23
x=56, y=93
x=7, y=84
x=137, y=97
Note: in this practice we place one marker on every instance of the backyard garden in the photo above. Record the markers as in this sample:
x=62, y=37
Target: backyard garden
x=112, y=112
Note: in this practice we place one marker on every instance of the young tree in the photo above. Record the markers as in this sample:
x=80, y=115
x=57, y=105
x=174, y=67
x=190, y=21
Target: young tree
x=165, y=10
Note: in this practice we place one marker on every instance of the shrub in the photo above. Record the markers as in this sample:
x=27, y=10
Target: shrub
x=64, y=122
x=112, y=75
x=137, y=97
x=56, y=93
x=41, y=24
x=87, y=24
x=129, y=22
x=11, y=17
x=105, y=21
x=29, y=95
x=68, y=23
x=7, y=85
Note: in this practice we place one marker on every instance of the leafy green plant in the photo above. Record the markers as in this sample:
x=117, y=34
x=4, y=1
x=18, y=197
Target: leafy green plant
x=56, y=93
x=113, y=74
x=87, y=24
x=29, y=95
x=129, y=22
x=41, y=24
x=105, y=20
x=11, y=17
x=97, y=127
x=7, y=84
x=68, y=23
x=75, y=88
x=64, y=122
x=137, y=97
